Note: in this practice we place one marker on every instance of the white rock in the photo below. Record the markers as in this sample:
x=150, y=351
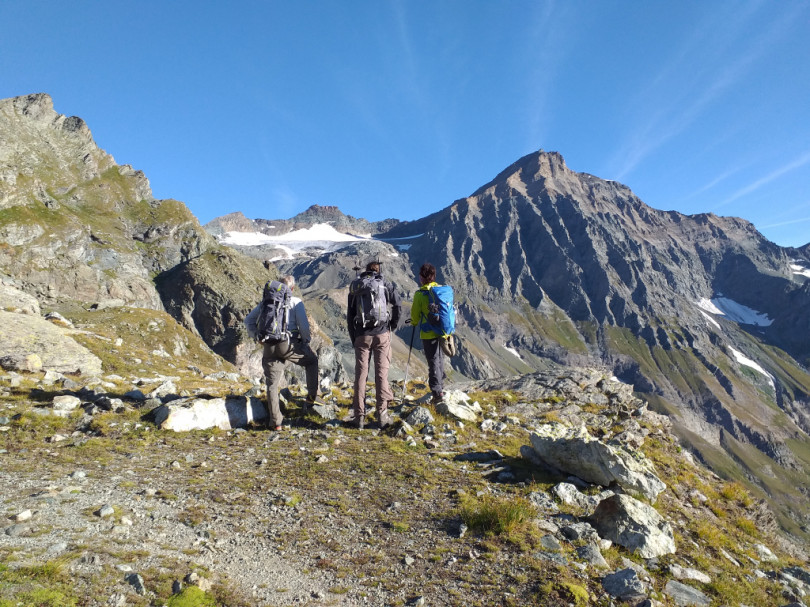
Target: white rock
x=765, y=553
x=66, y=402
x=200, y=414
x=687, y=573
x=25, y=515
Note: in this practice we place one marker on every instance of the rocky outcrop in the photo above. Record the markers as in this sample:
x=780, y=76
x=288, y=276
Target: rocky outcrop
x=31, y=343
x=575, y=451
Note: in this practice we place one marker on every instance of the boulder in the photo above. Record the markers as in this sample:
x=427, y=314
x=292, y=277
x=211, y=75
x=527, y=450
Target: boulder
x=200, y=413
x=575, y=451
x=23, y=335
x=591, y=554
x=685, y=596
x=66, y=402
x=687, y=573
x=633, y=524
x=624, y=584
x=456, y=404
x=419, y=417
x=14, y=299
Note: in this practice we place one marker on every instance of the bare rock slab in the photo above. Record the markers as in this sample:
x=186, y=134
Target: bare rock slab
x=575, y=451
x=187, y=414
x=638, y=527
x=23, y=335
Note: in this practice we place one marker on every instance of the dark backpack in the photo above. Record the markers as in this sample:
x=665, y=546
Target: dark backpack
x=272, y=323
x=370, y=301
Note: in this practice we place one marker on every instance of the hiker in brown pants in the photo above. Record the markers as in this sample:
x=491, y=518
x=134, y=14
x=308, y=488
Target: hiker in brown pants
x=370, y=325
x=295, y=349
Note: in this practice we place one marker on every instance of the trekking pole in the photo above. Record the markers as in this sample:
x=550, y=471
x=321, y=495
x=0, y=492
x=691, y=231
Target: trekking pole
x=410, y=349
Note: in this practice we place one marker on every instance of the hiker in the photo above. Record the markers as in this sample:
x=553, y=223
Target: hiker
x=370, y=326
x=431, y=341
x=293, y=347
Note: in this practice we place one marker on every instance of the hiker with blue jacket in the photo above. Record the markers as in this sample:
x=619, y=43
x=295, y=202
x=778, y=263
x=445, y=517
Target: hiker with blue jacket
x=431, y=341
x=290, y=344
x=370, y=325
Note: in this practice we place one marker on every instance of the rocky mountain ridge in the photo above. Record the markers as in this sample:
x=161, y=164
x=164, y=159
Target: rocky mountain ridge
x=701, y=313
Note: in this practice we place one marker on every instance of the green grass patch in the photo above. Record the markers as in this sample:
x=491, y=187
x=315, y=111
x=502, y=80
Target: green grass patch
x=496, y=515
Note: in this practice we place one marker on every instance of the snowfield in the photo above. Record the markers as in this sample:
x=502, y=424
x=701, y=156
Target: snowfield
x=321, y=236
x=722, y=306
x=800, y=270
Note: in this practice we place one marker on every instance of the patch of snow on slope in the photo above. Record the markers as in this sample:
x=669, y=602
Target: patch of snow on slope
x=403, y=237
x=799, y=269
x=722, y=306
x=711, y=320
x=744, y=360
x=512, y=351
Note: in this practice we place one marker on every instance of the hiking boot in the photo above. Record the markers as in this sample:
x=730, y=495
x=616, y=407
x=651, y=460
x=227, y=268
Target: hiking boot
x=358, y=422
x=385, y=419
x=314, y=400
x=437, y=398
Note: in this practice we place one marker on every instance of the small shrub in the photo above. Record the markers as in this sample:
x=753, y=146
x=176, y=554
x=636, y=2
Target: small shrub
x=45, y=597
x=575, y=593
x=497, y=516
x=736, y=492
x=192, y=596
x=747, y=526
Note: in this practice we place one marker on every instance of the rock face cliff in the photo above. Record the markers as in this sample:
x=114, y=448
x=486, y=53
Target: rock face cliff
x=75, y=227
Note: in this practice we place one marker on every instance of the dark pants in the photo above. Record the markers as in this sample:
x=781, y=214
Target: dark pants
x=274, y=359
x=380, y=347
x=435, y=361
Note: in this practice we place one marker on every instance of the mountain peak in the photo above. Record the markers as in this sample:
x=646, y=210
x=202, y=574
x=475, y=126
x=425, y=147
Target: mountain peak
x=38, y=108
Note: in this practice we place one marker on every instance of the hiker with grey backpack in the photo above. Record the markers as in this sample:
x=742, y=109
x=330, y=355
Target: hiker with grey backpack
x=433, y=312
x=370, y=324
x=280, y=323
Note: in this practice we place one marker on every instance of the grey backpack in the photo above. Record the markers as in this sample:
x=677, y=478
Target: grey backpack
x=370, y=300
x=272, y=323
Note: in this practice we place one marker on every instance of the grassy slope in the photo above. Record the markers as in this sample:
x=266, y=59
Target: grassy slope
x=350, y=492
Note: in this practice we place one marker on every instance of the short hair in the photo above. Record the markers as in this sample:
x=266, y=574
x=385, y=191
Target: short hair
x=288, y=280
x=427, y=272
x=373, y=266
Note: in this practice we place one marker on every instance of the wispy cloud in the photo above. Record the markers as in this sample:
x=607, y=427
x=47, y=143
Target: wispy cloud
x=547, y=42
x=752, y=187
x=716, y=181
x=786, y=223
x=682, y=92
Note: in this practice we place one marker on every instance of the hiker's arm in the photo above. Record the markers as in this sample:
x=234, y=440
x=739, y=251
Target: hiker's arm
x=350, y=314
x=396, y=307
x=251, y=321
x=416, y=311
x=302, y=322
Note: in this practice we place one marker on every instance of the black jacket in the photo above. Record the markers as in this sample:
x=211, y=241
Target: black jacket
x=393, y=301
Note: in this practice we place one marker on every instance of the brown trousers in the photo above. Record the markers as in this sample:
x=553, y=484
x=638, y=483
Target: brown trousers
x=274, y=359
x=380, y=346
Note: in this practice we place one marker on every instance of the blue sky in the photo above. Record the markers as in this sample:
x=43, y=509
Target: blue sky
x=396, y=109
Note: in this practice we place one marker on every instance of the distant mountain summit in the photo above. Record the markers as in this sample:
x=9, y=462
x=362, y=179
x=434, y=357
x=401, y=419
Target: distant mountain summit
x=314, y=215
